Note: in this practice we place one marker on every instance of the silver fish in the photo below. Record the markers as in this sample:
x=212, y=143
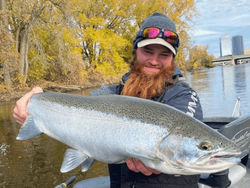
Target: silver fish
x=112, y=128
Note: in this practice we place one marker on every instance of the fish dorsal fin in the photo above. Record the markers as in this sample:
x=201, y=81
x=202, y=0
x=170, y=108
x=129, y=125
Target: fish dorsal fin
x=72, y=159
x=104, y=91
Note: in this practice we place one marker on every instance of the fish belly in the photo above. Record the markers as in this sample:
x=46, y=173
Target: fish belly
x=104, y=137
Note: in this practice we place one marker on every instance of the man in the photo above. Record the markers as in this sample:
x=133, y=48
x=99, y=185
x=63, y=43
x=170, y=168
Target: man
x=154, y=76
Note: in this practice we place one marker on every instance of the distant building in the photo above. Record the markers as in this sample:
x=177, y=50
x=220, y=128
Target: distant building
x=237, y=45
x=225, y=45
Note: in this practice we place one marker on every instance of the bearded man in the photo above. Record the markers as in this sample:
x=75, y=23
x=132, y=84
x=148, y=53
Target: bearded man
x=153, y=75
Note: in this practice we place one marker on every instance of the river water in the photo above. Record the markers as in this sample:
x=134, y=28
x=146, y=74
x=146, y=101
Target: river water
x=36, y=162
x=219, y=88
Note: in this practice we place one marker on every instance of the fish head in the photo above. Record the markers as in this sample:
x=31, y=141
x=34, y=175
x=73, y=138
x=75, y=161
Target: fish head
x=208, y=153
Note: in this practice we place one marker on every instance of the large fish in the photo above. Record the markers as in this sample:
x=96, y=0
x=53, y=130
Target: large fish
x=112, y=128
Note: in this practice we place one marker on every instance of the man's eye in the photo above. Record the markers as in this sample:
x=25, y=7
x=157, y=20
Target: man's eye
x=148, y=51
x=165, y=54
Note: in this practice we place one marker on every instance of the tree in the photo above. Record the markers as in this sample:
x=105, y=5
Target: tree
x=66, y=40
x=24, y=16
x=107, y=27
x=48, y=53
x=199, y=57
x=103, y=28
x=5, y=46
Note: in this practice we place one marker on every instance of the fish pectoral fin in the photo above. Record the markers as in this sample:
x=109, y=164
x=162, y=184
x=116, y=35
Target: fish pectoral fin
x=87, y=164
x=29, y=129
x=72, y=159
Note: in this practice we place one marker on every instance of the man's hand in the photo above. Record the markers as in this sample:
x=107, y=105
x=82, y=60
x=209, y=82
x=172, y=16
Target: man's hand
x=137, y=166
x=19, y=112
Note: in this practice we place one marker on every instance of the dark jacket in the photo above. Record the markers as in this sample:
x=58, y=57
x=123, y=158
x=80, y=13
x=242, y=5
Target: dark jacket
x=182, y=97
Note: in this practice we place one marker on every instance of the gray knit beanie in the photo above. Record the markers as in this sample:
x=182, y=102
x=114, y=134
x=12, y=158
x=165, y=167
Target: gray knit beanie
x=160, y=21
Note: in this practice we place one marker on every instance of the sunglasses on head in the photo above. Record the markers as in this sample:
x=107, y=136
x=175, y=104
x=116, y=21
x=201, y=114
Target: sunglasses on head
x=154, y=32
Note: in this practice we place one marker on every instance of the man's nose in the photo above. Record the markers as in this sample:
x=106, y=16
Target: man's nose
x=154, y=60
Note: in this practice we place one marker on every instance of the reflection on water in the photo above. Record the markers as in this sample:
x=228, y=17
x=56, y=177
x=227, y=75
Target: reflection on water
x=36, y=162
x=219, y=88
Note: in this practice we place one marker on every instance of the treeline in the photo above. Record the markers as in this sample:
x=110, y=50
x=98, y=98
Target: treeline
x=73, y=40
x=199, y=58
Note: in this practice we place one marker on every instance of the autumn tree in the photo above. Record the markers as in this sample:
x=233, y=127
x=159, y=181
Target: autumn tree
x=62, y=40
x=26, y=14
x=103, y=28
x=52, y=52
x=199, y=57
x=108, y=27
x=5, y=44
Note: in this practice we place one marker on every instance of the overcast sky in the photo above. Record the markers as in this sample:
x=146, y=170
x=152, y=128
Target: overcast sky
x=220, y=17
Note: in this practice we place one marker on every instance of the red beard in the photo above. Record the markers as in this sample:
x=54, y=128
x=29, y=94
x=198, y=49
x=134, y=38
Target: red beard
x=140, y=84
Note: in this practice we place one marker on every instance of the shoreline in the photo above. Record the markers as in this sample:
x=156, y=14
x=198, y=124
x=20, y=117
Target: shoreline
x=56, y=87
x=14, y=95
x=64, y=88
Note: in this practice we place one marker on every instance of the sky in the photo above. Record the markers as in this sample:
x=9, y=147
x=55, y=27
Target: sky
x=220, y=17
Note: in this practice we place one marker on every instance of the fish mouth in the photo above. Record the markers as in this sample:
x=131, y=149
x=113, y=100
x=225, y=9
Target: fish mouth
x=233, y=157
x=222, y=156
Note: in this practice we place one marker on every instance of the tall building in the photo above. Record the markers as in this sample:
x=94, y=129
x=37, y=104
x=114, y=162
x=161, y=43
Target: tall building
x=237, y=45
x=225, y=45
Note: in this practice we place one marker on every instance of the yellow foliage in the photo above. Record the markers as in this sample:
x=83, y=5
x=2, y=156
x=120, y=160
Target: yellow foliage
x=71, y=37
x=199, y=57
x=36, y=71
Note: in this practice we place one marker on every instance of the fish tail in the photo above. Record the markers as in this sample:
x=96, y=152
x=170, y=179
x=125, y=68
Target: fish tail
x=29, y=129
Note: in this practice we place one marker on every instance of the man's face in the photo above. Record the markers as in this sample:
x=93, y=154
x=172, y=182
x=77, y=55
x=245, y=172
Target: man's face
x=154, y=57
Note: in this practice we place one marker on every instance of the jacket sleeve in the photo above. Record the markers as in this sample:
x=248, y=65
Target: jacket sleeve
x=115, y=89
x=185, y=100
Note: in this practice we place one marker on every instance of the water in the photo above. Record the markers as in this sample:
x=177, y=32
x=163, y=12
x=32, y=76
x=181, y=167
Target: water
x=219, y=88
x=36, y=162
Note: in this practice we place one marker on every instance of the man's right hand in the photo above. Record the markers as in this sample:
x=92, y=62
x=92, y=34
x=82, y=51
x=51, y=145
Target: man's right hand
x=137, y=166
x=19, y=112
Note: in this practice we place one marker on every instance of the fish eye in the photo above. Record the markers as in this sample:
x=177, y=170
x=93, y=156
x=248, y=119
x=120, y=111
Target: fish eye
x=205, y=146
